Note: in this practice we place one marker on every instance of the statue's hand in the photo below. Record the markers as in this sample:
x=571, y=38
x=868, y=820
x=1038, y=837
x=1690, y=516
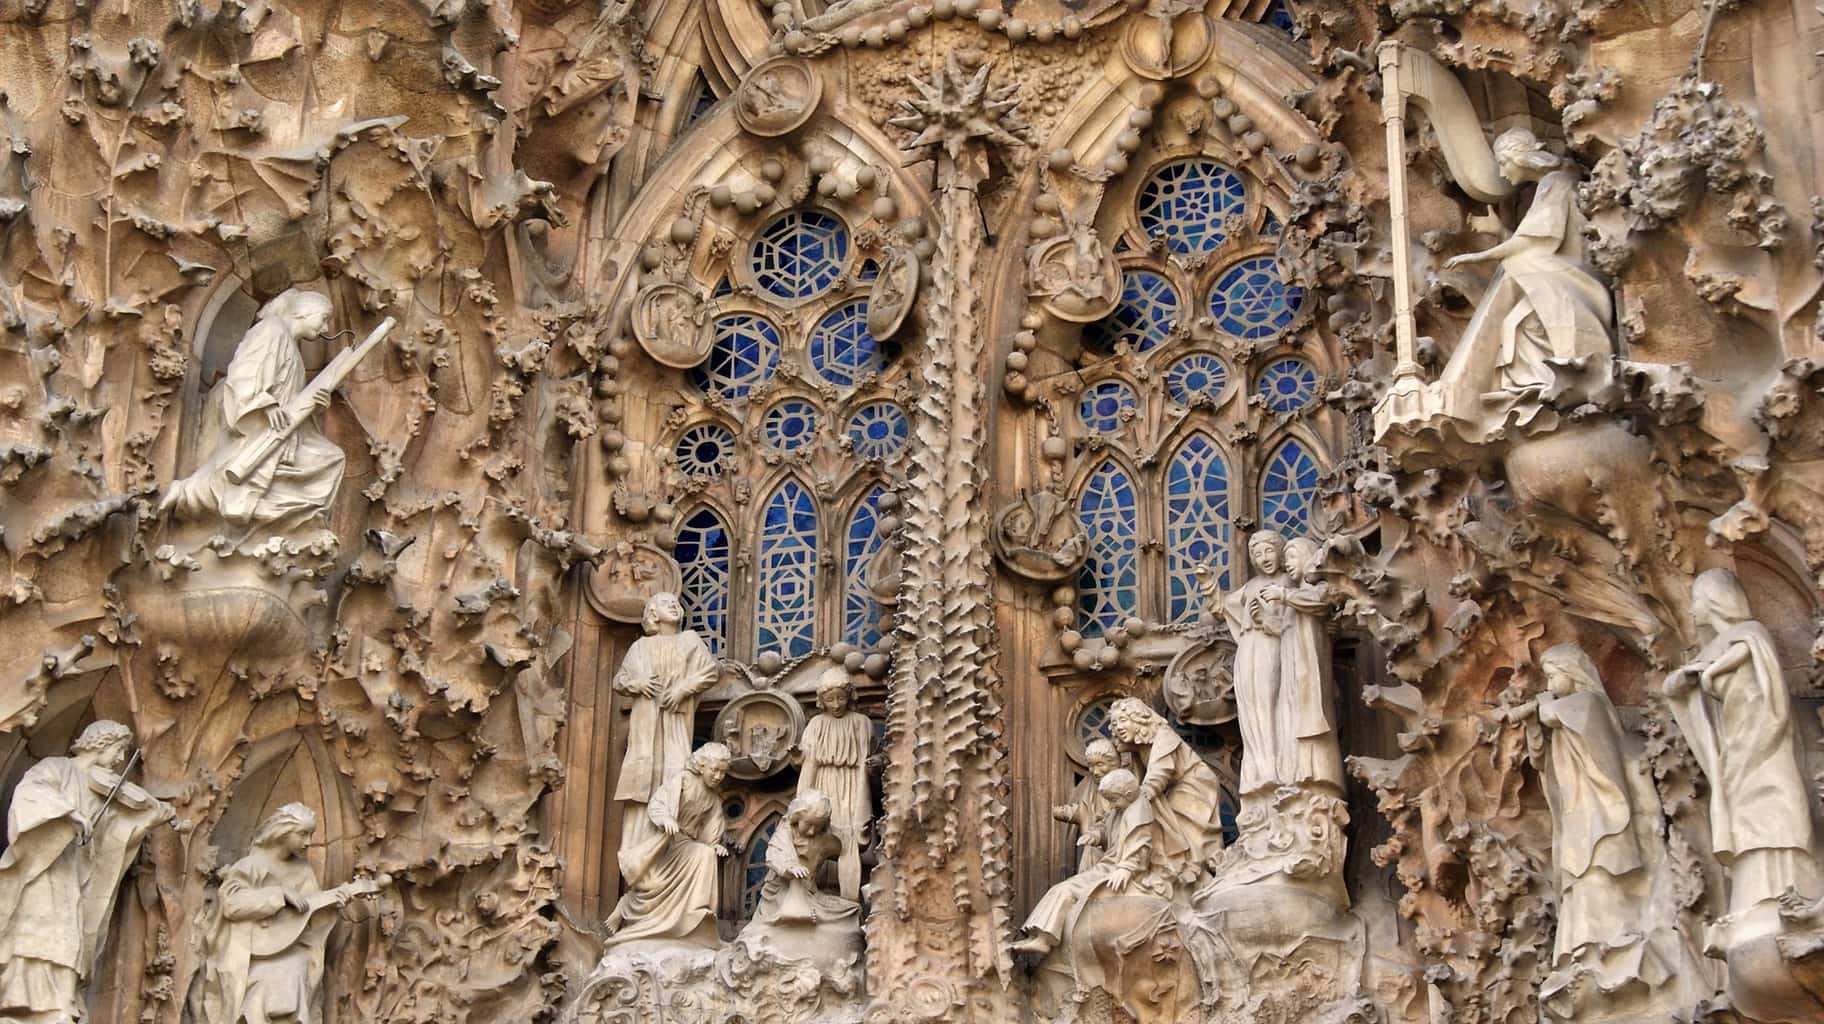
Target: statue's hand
x=670, y=828
x=1462, y=260
x=801, y=872
x=1681, y=682
x=276, y=418
x=1118, y=879
x=297, y=902
x=320, y=400
x=721, y=851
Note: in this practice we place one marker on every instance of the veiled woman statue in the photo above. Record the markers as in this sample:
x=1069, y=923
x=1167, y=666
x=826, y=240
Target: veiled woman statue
x=73, y=828
x=671, y=877
x=263, y=963
x=1282, y=674
x=1183, y=793
x=1732, y=706
x=266, y=373
x=662, y=676
x=1544, y=311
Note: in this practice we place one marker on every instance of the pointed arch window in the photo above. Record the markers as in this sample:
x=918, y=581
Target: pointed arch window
x=753, y=867
x=787, y=612
x=1196, y=524
x=1288, y=489
x=702, y=552
x=860, y=610
x=1108, y=588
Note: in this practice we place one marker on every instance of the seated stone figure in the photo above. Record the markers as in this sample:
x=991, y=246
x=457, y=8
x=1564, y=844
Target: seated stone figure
x=796, y=919
x=671, y=876
x=1128, y=860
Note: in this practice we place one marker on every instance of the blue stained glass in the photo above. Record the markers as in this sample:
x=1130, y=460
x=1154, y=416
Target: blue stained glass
x=704, y=450
x=800, y=254
x=1103, y=405
x=789, y=425
x=860, y=611
x=1288, y=489
x=1288, y=384
x=1279, y=15
x=754, y=869
x=1270, y=227
x=702, y=99
x=1144, y=317
x=1196, y=524
x=1094, y=724
x=702, y=552
x=843, y=350
x=878, y=430
x=868, y=272
x=1198, y=377
x=1108, y=588
x=787, y=611
x=1194, y=205
x=722, y=288
x=1253, y=301
x=744, y=356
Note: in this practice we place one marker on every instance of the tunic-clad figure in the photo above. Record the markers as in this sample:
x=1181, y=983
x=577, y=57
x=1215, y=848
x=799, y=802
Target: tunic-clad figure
x=263, y=963
x=67, y=849
x=1545, y=302
x=1087, y=809
x=1182, y=792
x=266, y=373
x=1282, y=689
x=836, y=743
x=671, y=877
x=662, y=676
x=1131, y=860
x=1732, y=705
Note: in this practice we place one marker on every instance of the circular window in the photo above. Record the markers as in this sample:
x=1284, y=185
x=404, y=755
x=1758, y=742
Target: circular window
x=1288, y=385
x=842, y=350
x=743, y=357
x=878, y=430
x=789, y=424
x=1192, y=205
x=801, y=254
x=1252, y=301
x=1102, y=406
x=1143, y=318
x=1198, y=377
x=704, y=450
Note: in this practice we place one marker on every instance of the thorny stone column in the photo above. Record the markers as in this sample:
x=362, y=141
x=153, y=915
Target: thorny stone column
x=938, y=934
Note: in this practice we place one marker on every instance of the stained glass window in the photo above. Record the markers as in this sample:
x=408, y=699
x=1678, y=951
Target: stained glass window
x=1198, y=377
x=1279, y=15
x=702, y=552
x=878, y=430
x=787, y=613
x=754, y=870
x=1103, y=405
x=744, y=356
x=1093, y=722
x=1196, y=524
x=789, y=425
x=1194, y=205
x=1270, y=227
x=1288, y=384
x=1144, y=317
x=868, y=272
x=1253, y=301
x=1109, y=586
x=702, y=99
x=1288, y=489
x=723, y=287
x=704, y=450
x=801, y=254
x=843, y=350
x=860, y=611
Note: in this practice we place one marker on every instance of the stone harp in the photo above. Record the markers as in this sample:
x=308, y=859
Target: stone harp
x=251, y=458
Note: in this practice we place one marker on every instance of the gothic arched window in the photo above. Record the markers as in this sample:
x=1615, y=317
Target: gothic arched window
x=1108, y=590
x=1196, y=524
x=1288, y=489
x=702, y=552
x=787, y=606
x=753, y=866
x=860, y=609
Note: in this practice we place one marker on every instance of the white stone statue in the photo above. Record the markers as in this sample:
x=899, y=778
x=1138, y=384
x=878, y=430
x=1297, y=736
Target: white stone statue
x=662, y=676
x=1282, y=672
x=1544, y=311
x=1732, y=705
x=74, y=827
x=671, y=876
x=1182, y=792
x=1132, y=859
x=836, y=743
x=263, y=962
x=265, y=377
x=795, y=919
x=1087, y=809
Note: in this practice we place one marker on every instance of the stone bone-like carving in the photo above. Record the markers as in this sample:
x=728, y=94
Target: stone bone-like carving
x=837, y=743
x=662, y=675
x=672, y=875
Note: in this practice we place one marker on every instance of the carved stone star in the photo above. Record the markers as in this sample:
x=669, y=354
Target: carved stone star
x=956, y=108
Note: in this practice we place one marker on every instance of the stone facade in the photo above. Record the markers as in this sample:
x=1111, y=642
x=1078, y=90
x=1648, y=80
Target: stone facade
x=911, y=510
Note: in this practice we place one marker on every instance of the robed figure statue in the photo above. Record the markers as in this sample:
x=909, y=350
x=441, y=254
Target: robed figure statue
x=661, y=678
x=73, y=829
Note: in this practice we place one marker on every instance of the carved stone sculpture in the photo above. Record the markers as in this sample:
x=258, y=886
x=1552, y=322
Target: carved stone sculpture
x=73, y=828
x=268, y=929
x=1040, y=538
x=795, y=918
x=837, y=742
x=1182, y=791
x=1087, y=808
x=662, y=676
x=671, y=875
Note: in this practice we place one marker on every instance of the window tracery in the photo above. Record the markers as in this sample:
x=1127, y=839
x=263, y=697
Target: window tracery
x=787, y=573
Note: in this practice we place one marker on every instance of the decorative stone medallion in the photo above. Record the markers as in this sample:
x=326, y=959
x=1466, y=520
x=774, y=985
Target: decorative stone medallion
x=1199, y=685
x=672, y=325
x=620, y=585
x=761, y=729
x=1170, y=45
x=1075, y=277
x=777, y=96
x=890, y=300
x=1041, y=538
